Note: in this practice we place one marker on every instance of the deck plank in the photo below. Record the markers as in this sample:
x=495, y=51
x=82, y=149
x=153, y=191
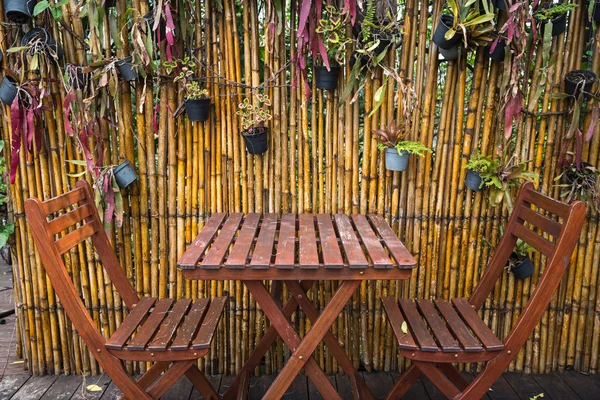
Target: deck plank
x=298, y=389
x=226, y=381
x=380, y=384
x=182, y=389
x=524, y=385
x=501, y=390
x=10, y=384
x=215, y=381
x=63, y=388
x=582, y=385
x=416, y=391
x=313, y=393
x=83, y=394
x=555, y=387
x=344, y=387
x=35, y=387
x=112, y=392
x=259, y=386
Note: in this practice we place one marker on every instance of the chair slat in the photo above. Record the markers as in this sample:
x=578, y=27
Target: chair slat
x=239, y=253
x=64, y=200
x=378, y=255
x=539, y=243
x=188, y=329
x=393, y=244
x=417, y=326
x=214, y=257
x=170, y=324
x=483, y=332
x=190, y=258
x=405, y=339
x=540, y=221
x=458, y=327
x=307, y=251
x=209, y=325
x=547, y=203
x=352, y=248
x=129, y=325
x=151, y=325
x=75, y=237
x=441, y=332
x=332, y=257
x=286, y=246
x=69, y=219
x=263, y=250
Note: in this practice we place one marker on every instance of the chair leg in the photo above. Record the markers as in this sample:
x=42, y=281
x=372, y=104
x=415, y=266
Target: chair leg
x=407, y=379
x=459, y=381
x=150, y=376
x=201, y=383
x=440, y=380
x=169, y=378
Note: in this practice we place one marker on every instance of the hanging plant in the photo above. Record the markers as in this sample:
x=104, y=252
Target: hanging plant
x=471, y=23
x=253, y=117
x=579, y=182
x=397, y=151
x=478, y=164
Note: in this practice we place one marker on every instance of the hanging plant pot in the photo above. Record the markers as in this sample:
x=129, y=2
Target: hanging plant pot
x=559, y=24
x=499, y=51
x=523, y=267
x=395, y=161
x=473, y=181
x=125, y=174
x=256, y=139
x=110, y=3
x=577, y=80
x=197, y=109
x=439, y=37
x=8, y=91
x=45, y=37
x=19, y=11
x=162, y=27
x=499, y=4
x=596, y=11
x=126, y=69
x=327, y=80
x=450, y=54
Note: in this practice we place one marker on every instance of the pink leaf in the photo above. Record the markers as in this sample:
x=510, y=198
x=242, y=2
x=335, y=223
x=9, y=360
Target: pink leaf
x=69, y=98
x=169, y=31
x=15, y=119
x=323, y=52
x=154, y=118
x=304, y=11
x=512, y=112
x=593, y=122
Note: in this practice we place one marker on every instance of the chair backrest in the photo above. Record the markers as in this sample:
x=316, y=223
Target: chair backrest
x=45, y=223
x=558, y=253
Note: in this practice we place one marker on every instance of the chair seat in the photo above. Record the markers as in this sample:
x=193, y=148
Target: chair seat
x=160, y=325
x=441, y=326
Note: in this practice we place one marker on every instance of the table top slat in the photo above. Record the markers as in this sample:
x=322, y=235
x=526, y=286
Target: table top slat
x=286, y=246
x=239, y=252
x=332, y=257
x=263, y=250
x=378, y=256
x=307, y=252
x=192, y=255
x=216, y=254
x=350, y=243
x=400, y=253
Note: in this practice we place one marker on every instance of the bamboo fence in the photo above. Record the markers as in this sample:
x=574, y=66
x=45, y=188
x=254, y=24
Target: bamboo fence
x=322, y=158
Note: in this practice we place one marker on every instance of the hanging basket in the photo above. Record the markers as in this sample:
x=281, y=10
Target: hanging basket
x=596, y=11
x=450, y=54
x=45, y=36
x=499, y=51
x=8, y=91
x=395, y=161
x=577, y=80
x=439, y=37
x=19, y=11
x=523, y=268
x=125, y=174
x=126, y=69
x=327, y=80
x=197, y=109
x=559, y=24
x=256, y=139
x=473, y=181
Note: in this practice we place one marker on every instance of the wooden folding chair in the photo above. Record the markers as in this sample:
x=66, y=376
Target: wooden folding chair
x=440, y=332
x=171, y=334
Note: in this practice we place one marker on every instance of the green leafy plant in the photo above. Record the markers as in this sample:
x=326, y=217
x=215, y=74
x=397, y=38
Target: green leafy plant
x=254, y=115
x=479, y=163
x=391, y=137
x=474, y=23
x=550, y=13
x=501, y=178
x=55, y=8
x=332, y=28
x=580, y=182
x=192, y=87
x=520, y=252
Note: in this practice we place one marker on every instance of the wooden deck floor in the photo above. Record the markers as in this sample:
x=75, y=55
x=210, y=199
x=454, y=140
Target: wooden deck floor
x=17, y=384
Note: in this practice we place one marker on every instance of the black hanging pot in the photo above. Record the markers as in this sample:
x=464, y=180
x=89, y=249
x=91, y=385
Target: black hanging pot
x=45, y=36
x=577, y=80
x=256, y=139
x=523, y=266
x=499, y=4
x=395, y=161
x=499, y=51
x=110, y=3
x=125, y=174
x=19, y=11
x=596, y=11
x=559, y=24
x=327, y=80
x=197, y=109
x=450, y=54
x=126, y=69
x=473, y=180
x=8, y=91
x=162, y=27
x=439, y=37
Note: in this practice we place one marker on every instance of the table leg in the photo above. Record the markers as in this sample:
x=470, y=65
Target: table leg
x=301, y=356
x=293, y=341
x=265, y=343
x=359, y=385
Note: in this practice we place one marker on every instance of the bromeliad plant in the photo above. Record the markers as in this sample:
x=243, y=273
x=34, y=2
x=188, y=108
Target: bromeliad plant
x=474, y=22
x=580, y=182
x=391, y=136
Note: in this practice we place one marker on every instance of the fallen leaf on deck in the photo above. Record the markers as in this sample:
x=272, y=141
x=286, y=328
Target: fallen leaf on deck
x=93, y=388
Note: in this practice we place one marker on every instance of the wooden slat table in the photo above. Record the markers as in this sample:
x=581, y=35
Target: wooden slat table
x=297, y=250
